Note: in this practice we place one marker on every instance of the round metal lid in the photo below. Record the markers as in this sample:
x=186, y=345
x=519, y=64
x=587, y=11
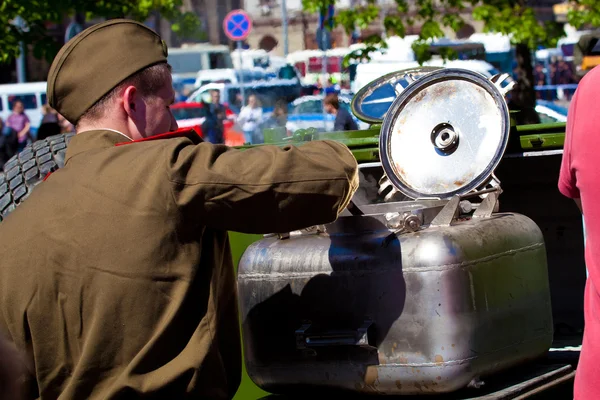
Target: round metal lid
x=444, y=134
x=371, y=102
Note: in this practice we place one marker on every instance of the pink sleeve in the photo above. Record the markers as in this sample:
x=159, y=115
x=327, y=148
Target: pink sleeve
x=567, y=181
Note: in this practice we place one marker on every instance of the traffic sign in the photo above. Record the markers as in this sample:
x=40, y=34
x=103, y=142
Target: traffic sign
x=237, y=25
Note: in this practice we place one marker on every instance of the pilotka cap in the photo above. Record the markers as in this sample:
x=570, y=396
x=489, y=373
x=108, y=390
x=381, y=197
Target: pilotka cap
x=95, y=61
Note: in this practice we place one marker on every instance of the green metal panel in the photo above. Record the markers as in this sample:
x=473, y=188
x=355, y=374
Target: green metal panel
x=542, y=142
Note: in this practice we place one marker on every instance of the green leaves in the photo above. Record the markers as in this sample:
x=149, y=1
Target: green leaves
x=519, y=22
x=584, y=12
x=37, y=13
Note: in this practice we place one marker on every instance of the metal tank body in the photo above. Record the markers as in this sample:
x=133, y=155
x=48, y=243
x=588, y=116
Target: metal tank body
x=362, y=308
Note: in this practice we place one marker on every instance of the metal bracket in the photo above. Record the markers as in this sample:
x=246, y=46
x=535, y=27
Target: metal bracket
x=448, y=213
x=487, y=206
x=457, y=203
x=406, y=221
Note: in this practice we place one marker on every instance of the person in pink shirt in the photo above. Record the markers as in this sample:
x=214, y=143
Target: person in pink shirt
x=580, y=180
x=19, y=121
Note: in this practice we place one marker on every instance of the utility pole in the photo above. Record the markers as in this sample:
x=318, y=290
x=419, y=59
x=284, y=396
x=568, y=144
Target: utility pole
x=284, y=25
x=20, y=62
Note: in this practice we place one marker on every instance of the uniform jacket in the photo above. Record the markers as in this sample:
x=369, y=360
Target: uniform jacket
x=116, y=277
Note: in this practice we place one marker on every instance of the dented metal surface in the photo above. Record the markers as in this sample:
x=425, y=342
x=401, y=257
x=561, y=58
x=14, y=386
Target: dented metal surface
x=447, y=304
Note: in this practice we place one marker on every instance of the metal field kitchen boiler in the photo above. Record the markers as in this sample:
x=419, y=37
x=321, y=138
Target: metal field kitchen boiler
x=425, y=295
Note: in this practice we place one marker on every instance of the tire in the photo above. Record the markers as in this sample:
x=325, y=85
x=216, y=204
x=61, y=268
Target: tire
x=24, y=171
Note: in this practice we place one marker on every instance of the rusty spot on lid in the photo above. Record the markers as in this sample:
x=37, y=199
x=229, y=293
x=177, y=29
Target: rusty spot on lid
x=399, y=384
x=419, y=96
x=401, y=172
x=418, y=386
x=403, y=360
x=459, y=183
x=453, y=345
x=439, y=359
x=442, y=347
x=382, y=358
x=444, y=89
x=439, y=378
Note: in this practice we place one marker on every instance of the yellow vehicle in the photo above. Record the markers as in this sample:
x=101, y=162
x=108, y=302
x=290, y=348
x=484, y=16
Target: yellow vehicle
x=586, y=53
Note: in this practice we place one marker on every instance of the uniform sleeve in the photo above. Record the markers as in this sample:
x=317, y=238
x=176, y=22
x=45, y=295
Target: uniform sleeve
x=567, y=182
x=264, y=189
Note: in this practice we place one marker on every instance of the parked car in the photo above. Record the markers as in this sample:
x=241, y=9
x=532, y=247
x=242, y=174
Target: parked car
x=307, y=112
x=194, y=114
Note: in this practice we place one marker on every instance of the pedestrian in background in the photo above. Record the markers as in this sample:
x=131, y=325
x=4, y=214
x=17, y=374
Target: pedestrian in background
x=343, y=119
x=251, y=117
x=19, y=121
x=50, y=125
x=9, y=143
x=213, y=127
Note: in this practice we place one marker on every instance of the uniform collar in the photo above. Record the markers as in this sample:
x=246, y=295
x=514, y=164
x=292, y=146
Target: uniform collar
x=93, y=139
x=103, y=138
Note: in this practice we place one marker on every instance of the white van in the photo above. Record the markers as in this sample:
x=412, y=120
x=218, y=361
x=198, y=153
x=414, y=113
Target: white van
x=186, y=61
x=33, y=96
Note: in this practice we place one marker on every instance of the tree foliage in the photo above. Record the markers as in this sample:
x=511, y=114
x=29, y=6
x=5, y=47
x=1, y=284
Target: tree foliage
x=38, y=13
x=510, y=17
x=584, y=13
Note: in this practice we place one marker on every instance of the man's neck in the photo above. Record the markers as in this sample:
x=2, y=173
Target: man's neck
x=105, y=127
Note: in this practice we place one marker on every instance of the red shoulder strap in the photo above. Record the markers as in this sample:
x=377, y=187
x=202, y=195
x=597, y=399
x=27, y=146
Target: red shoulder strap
x=191, y=133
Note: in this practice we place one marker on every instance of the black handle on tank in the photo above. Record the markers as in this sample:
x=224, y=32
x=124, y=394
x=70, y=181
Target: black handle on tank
x=351, y=337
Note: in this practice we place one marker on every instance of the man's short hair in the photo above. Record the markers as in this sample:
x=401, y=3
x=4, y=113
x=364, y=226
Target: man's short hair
x=148, y=82
x=332, y=100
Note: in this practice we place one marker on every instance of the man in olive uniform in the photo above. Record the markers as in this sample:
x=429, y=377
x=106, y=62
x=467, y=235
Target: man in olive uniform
x=116, y=280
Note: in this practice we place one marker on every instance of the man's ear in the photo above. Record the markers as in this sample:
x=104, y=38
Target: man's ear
x=131, y=102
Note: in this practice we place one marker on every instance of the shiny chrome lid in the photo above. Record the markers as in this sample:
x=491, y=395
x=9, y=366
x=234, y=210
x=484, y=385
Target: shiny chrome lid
x=445, y=133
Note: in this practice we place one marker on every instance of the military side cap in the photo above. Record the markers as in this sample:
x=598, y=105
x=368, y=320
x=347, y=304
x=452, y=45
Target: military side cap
x=95, y=61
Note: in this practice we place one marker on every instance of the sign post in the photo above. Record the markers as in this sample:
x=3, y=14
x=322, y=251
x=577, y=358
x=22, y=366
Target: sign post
x=325, y=16
x=237, y=26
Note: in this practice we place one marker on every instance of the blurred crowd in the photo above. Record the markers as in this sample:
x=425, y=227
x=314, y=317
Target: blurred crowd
x=560, y=72
x=16, y=130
